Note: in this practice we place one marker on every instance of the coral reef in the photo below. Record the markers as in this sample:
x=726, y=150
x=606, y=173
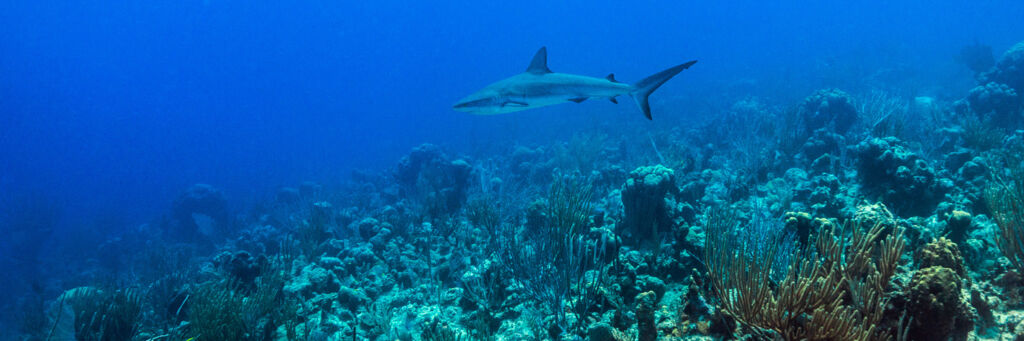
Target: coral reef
x=849, y=216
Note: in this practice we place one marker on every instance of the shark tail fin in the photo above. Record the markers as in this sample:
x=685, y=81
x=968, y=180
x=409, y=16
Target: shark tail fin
x=644, y=88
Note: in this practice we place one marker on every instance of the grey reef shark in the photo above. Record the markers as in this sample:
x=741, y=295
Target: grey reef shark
x=539, y=87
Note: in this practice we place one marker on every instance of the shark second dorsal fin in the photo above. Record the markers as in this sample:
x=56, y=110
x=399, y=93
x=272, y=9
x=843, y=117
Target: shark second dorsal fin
x=539, y=64
x=611, y=78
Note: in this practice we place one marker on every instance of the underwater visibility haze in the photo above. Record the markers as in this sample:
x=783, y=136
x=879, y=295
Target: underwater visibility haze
x=317, y=170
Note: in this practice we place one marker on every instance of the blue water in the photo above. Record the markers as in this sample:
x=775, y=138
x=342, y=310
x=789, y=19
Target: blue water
x=113, y=108
x=116, y=105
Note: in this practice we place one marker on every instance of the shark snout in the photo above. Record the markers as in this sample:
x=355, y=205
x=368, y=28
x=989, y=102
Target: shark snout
x=471, y=104
x=463, y=107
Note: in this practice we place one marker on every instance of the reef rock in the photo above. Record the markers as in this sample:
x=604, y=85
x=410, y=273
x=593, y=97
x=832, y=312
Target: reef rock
x=1009, y=69
x=311, y=280
x=202, y=211
x=427, y=176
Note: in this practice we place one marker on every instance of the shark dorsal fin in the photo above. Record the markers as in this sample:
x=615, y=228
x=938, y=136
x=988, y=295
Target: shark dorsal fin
x=611, y=78
x=539, y=64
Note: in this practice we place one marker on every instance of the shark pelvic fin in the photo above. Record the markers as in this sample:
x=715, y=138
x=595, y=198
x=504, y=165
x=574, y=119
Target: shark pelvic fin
x=578, y=99
x=611, y=78
x=613, y=100
x=539, y=64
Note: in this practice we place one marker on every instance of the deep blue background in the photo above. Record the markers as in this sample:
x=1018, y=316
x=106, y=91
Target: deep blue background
x=118, y=106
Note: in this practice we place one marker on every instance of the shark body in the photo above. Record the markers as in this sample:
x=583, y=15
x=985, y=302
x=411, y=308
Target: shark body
x=540, y=87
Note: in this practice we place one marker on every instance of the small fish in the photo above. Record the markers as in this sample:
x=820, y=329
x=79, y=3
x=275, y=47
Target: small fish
x=539, y=87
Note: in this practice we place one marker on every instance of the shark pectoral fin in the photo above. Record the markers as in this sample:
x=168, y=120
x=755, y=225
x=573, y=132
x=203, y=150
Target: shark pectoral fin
x=539, y=64
x=578, y=99
x=613, y=100
x=611, y=78
x=514, y=104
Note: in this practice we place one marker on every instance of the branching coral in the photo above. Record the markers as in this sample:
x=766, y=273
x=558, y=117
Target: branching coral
x=1005, y=198
x=219, y=310
x=552, y=266
x=215, y=312
x=315, y=231
x=834, y=290
x=884, y=113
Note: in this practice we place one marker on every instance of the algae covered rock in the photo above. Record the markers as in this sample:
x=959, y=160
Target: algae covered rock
x=942, y=252
x=957, y=225
x=646, y=305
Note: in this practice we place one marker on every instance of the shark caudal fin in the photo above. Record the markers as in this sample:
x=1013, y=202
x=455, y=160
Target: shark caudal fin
x=644, y=88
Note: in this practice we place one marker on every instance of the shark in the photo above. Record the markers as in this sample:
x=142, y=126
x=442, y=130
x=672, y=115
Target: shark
x=539, y=87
